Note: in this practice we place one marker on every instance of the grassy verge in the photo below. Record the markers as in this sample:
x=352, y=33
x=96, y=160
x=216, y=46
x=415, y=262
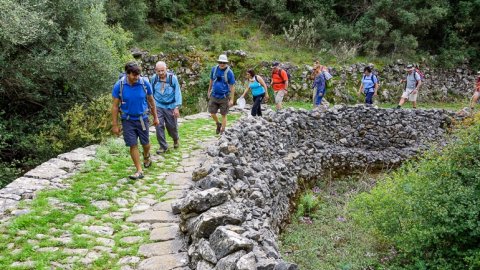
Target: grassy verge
x=454, y=106
x=323, y=236
x=447, y=106
x=50, y=220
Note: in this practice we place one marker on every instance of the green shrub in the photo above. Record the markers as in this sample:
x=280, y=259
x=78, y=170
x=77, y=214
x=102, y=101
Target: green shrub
x=307, y=205
x=80, y=126
x=8, y=172
x=174, y=42
x=429, y=209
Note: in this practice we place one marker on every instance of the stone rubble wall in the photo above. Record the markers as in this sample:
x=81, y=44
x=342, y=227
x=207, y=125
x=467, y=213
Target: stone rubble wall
x=440, y=85
x=48, y=175
x=244, y=191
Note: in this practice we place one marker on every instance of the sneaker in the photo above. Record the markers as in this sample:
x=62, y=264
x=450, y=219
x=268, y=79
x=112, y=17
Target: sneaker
x=136, y=176
x=176, y=144
x=161, y=151
x=219, y=126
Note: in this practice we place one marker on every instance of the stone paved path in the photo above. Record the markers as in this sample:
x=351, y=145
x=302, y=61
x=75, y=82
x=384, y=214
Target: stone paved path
x=135, y=219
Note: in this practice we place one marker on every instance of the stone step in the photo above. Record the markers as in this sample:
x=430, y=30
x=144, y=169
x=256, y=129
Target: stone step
x=174, y=194
x=179, y=179
x=164, y=206
x=161, y=248
x=164, y=233
x=165, y=262
x=151, y=216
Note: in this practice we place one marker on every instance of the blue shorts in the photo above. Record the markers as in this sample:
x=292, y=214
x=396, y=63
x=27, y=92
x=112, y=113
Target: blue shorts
x=132, y=130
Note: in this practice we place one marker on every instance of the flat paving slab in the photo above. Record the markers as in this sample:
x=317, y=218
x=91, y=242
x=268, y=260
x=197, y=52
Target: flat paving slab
x=165, y=262
x=151, y=216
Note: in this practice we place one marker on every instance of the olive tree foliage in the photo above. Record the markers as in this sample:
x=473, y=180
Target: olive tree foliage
x=56, y=53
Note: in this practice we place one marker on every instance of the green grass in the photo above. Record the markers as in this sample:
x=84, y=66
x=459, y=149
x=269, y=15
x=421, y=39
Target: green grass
x=447, y=106
x=100, y=179
x=454, y=106
x=333, y=240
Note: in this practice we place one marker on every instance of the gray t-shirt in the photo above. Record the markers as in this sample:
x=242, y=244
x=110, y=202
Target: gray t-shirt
x=412, y=81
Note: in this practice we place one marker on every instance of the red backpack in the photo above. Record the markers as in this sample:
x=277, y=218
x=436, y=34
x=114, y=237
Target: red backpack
x=422, y=76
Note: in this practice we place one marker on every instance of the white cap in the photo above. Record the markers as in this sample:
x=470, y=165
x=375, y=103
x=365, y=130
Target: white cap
x=222, y=58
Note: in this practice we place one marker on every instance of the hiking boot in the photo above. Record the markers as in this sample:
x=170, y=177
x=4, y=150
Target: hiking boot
x=176, y=144
x=136, y=176
x=219, y=126
x=161, y=151
x=398, y=107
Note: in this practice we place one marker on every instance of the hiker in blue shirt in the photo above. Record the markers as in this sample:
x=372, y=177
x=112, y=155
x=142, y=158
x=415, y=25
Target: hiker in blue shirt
x=168, y=98
x=221, y=91
x=130, y=96
x=412, y=81
x=319, y=84
x=369, y=85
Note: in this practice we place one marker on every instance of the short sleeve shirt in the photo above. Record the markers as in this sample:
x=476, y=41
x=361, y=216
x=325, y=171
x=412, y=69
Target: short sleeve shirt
x=278, y=80
x=134, y=99
x=369, y=83
x=412, y=80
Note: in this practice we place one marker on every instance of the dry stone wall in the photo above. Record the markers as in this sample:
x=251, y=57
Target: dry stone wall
x=50, y=174
x=440, y=85
x=243, y=192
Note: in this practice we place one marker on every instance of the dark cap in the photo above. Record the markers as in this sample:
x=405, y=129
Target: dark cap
x=275, y=64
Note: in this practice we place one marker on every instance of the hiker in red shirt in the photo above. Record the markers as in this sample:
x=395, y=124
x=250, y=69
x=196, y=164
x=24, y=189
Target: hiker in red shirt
x=279, y=84
x=476, y=94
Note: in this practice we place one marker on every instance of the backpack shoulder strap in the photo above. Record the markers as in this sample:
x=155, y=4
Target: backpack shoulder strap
x=215, y=72
x=225, y=74
x=144, y=86
x=170, y=81
x=120, y=92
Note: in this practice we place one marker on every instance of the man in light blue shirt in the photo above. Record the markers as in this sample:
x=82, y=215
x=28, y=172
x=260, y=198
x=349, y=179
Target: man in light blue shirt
x=413, y=81
x=168, y=99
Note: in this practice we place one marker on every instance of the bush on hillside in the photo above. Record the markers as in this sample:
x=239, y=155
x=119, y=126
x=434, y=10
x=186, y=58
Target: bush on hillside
x=429, y=209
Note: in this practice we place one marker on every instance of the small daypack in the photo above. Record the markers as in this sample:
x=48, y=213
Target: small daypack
x=225, y=74
x=422, y=76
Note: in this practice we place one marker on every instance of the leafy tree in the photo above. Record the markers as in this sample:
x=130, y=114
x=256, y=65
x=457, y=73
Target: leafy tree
x=54, y=54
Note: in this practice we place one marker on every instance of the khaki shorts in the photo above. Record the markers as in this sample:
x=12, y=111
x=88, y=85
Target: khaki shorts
x=279, y=96
x=214, y=104
x=408, y=94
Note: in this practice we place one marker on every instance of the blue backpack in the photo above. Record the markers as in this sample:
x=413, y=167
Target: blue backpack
x=225, y=77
